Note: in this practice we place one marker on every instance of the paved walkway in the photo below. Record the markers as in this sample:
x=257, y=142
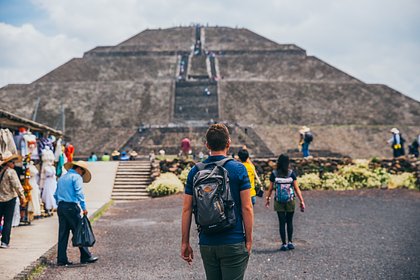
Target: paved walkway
x=28, y=243
x=372, y=234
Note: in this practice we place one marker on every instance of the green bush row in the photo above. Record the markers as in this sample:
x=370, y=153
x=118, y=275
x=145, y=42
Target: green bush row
x=349, y=177
x=357, y=176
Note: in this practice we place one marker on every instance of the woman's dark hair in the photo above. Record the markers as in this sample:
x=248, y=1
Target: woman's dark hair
x=243, y=155
x=283, y=165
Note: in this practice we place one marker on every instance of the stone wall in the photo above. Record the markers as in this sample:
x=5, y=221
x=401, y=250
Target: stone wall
x=302, y=166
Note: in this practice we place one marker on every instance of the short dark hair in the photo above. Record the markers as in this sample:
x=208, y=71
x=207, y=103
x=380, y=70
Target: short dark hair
x=243, y=155
x=217, y=137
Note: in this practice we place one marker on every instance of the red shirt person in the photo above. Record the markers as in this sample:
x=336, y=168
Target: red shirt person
x=69, y=152
x=185, y=146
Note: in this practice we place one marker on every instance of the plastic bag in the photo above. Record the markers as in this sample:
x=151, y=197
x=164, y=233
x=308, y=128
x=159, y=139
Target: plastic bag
x=83, y=236
x=259, y=189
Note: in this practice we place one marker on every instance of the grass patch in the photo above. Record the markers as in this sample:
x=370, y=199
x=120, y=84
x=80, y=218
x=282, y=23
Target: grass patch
x=37, y=271
x=101, y=211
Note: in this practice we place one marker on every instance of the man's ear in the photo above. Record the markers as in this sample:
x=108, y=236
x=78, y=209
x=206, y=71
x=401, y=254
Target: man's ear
x=207, y=146
x=228, y=143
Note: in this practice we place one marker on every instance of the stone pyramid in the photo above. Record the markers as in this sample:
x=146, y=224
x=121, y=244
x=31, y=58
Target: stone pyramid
x=182, y=78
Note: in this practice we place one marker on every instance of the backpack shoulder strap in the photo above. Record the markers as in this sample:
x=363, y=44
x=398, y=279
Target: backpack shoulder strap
x=200, y=165
x=223, y=161
x=289, y=173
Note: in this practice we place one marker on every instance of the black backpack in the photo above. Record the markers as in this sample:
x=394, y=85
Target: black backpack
x=213, y=205
x=308, y=137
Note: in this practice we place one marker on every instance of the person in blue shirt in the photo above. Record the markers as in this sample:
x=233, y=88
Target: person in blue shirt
x=93, y=157
x=225, y=255
x=69, y=195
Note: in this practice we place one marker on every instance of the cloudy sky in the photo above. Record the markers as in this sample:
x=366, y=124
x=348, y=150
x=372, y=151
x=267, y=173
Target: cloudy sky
x=377, y=41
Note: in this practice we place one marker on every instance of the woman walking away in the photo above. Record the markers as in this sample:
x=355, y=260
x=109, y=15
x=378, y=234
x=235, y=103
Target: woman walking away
x=284, y=182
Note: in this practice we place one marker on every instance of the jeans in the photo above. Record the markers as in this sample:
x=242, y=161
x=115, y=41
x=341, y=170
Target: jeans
x=68, y=219
x=305, y=149
x=225, y=262
x=6, y=210
x=253, y=199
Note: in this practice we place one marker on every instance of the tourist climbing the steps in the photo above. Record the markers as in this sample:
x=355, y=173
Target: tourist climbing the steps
x=284, y=182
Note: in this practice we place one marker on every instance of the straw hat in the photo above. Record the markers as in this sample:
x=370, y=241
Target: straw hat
x=8, y=156
x=133, y=153
x=304, y=129
x=82, y=164
x=394, y=130
x=115, y=153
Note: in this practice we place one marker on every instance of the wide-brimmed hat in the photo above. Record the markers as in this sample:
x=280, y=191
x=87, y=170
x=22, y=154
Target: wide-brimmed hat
x=115, y=153
x=8, y=156
x=82, y=164
x=133, y=153
x=394, y=130
x=304, y=129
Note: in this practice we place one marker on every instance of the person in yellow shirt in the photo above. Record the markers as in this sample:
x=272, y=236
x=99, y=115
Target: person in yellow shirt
x=252, y=174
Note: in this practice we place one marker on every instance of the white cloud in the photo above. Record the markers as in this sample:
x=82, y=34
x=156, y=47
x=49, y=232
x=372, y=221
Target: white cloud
x=27, y=54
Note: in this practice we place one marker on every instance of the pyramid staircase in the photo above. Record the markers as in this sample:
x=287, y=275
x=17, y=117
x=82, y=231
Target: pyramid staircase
x=131, y=180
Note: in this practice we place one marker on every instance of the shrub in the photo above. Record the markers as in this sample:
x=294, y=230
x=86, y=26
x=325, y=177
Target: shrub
x=383, y=175
x=310, y=181
x=360, y=176
x=403, y=180
x=165, y=184
x=184, y=175
x=334, y=181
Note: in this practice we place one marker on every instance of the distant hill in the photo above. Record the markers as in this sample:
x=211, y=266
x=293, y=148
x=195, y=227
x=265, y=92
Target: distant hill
x=160, y=78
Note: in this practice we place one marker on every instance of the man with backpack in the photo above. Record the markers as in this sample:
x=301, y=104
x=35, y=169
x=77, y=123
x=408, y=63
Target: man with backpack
x=306, y=138
x=218, y=193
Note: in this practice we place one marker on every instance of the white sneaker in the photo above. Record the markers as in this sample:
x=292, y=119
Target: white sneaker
x=4, y=245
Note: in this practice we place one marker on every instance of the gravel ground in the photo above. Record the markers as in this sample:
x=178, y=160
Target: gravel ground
x=371, y=234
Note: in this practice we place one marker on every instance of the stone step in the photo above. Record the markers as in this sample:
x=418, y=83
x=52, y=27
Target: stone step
x=135, y=191
x=130, y=189
x=139, y=188
x=132, y=185
x=120, y=194
x=133, y=176
x=134, y=169
x=127, y=168
x=134, y=165
x=133, y=173
x=133, y=180
x=129, y=198
x=123, y=164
